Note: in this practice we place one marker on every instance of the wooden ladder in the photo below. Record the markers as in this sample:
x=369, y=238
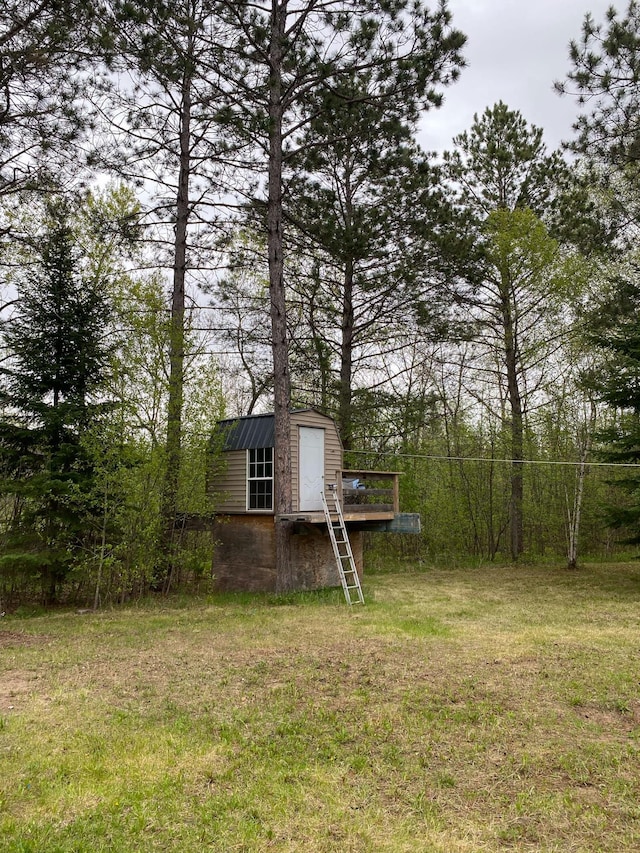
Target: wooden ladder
x=341, y=546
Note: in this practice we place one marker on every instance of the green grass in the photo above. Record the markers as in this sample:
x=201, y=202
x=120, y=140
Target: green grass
x=488, y=709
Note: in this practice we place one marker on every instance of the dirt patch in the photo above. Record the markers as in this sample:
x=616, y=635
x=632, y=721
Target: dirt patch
x=624, y=718
x=15, y=687
x=18, y=638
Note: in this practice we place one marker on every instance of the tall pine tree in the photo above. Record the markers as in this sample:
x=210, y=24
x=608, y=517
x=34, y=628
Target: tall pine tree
x=58, y=356
x=605, y=77
x=504, y=179
x=615, y=330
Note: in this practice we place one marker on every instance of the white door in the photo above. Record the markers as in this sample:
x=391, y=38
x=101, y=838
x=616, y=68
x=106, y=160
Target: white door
x=311, y=468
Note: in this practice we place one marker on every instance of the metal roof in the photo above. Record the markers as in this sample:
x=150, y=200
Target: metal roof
x=250, y=431
x=247, y=433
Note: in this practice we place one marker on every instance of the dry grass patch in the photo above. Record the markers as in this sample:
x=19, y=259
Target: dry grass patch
x=491, y=710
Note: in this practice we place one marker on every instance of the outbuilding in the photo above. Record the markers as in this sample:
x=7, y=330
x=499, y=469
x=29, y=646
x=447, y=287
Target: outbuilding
x=244, y=487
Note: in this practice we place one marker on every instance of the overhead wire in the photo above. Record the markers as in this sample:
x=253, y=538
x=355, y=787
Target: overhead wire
x=493, y=460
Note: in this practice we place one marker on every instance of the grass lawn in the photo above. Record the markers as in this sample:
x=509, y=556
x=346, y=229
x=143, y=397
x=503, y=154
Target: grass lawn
x=486, y=709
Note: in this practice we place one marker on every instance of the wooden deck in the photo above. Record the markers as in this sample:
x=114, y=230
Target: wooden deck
x=364, y=496
x=318, y=517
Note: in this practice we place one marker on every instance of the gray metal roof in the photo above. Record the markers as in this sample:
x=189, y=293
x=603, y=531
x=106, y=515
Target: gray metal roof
x=250, y=431
x=247, y=433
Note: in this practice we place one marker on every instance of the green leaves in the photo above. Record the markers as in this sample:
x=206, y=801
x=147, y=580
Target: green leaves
x=55, y=334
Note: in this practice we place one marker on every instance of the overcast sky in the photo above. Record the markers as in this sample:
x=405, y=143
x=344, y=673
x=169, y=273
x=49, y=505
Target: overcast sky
x=515, y=50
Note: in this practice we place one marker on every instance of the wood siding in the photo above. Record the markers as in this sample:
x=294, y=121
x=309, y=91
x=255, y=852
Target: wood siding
x=231, y=484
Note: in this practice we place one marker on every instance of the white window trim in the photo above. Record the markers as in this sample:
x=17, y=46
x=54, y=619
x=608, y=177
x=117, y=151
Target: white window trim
x=258, y=511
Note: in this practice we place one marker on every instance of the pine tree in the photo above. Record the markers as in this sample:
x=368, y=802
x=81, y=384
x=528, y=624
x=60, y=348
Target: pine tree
x=58, y=357
x=164, y=130
x=506, y=182
x=615, y=332
x=365, y=214
x=42, y=44
x=287, y=51
x=605, y=77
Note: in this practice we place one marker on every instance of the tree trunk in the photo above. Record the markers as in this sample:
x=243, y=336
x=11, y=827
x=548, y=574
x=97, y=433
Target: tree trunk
x=574, y=514
x=345, y=416
x=517, y=421
x=322, y=358
x=103, y=546
x=279, y=336
x=176, y=346
x=516, y=524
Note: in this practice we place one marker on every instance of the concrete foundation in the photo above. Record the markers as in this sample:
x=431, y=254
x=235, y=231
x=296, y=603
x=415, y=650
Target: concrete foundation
x=244, y=556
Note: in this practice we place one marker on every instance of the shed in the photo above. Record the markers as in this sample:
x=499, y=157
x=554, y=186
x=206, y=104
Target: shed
x=244, y=527
x=247, y=483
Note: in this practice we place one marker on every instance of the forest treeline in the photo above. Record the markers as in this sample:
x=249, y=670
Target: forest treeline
x=211, y=208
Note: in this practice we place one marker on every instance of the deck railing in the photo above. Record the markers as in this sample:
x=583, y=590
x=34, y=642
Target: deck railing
x=370, y=491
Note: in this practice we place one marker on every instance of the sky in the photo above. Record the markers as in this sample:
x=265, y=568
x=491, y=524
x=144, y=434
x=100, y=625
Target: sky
x=515, y=51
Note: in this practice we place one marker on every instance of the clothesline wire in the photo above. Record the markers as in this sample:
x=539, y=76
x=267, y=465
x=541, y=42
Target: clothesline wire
x=491, y=459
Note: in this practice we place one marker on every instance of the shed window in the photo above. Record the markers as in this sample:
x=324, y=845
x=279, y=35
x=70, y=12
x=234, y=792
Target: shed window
x=260, y=479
